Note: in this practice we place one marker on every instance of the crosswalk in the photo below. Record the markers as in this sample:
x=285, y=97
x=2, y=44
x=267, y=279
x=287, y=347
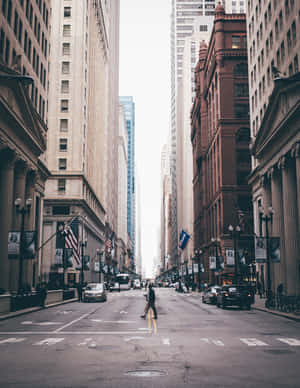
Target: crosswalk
x=249, y=342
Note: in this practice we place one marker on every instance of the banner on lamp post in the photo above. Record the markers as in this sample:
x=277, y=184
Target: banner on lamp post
x=212, y=262
x=260, y=249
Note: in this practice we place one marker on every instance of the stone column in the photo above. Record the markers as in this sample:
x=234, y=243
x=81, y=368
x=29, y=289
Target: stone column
x=19, y=192
x=6, y=204
x=296, y=155
x=30, y=223
x=279, y=273
x=291, y=232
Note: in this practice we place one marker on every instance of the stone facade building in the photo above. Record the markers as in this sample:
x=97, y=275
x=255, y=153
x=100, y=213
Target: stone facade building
x=273, y=29
x=220, y=137
x=80, y=123
x=24, y=51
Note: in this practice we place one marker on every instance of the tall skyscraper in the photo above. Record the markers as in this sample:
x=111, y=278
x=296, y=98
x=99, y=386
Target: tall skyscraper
x=82, y=117
x=183, y=18
x=129, y=108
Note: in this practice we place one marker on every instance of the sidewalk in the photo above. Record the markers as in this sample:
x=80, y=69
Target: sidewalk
x=260, y=305
x=32, y=309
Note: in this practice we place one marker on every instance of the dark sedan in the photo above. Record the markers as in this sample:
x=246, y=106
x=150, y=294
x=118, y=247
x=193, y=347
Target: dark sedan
x=235, y=295
x=210, y=294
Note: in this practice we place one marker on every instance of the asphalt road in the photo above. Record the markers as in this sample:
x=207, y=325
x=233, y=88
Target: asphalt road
x=81, y=345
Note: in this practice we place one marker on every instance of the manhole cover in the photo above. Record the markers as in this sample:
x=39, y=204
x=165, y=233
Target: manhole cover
x=278, y=351
x=146, y=373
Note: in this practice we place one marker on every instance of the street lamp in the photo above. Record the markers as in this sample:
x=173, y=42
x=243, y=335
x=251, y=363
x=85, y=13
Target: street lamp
x=266, y=218
x=22, y=210
x=216, y=242
x=100, y=255
x=83, y=245
x=235, y=233
x=198, y=253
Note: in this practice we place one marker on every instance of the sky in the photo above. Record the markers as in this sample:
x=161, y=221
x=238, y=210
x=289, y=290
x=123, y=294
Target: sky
x=145, y=75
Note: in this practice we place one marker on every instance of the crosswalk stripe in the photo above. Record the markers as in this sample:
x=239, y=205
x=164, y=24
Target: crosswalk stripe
x=218, y=342
x=290, y=341
x=253, y=342
x=12, y=340
x=166, y=341
x=49, y=341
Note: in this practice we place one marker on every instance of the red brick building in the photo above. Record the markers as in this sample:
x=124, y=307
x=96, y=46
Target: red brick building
x=220, y=134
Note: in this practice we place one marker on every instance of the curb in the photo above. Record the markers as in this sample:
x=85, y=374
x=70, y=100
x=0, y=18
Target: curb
x=278, y=314
x=33, y=309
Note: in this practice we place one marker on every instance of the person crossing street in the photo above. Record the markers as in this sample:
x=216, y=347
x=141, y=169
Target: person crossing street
x=150, y=302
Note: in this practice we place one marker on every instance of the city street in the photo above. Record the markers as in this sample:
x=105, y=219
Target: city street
x=86, y=345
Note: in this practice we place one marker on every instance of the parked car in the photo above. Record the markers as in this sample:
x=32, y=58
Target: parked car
x=94, y=292
x=114, y=286
x=235, y=295
x=210, y=294
x=137, y=284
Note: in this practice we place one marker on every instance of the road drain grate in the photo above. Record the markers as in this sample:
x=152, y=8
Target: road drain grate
x=146, y=373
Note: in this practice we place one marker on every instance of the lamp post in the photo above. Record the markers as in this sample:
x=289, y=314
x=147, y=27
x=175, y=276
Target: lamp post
x=266, y=218
x=83, y=245
x=22, y=210
x=216, y=242
x=100, y=255
x=234, y=234
x=198, y=253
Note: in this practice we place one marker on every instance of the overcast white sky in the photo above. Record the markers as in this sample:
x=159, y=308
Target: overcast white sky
x=145, y=75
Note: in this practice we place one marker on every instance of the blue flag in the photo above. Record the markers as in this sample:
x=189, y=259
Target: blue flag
x=183, y=239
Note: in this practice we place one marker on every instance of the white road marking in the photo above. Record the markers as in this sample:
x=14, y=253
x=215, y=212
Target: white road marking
x=253, y=342
x=144, y=328
x=85, y=342
x=290, y=341
x=123, y=312
x=49, y=341
x=92, y=345
x=71, y=323
x=133, y=338
x=212, y=341
x=26, y=323
x=166, y=341
x=119, y=321
x=206, y=340
x=40, y=323
x=12, y=340
x=97, y=320
x=218, y=342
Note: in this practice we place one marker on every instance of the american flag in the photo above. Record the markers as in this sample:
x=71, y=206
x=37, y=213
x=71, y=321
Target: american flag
x=109, y=243
x=71, y=239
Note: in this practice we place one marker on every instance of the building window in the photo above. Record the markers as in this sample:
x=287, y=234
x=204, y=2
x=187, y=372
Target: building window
x=282, y=51
x=64, y=105
x=65, y=67
x=67, y=12
x=241, y=110
x=66, y=49
x=62, y=164
x=296, y=64
x=294, y=33
x=241, y=90
x=64, y=125
x=66, y=30
x=65, y=86
x=63, y=144
x=61, y=185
